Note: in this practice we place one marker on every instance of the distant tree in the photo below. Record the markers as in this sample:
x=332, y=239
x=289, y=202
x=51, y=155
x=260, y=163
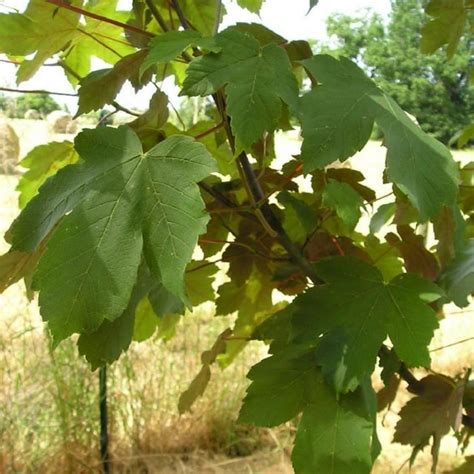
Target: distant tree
x=432, y=89
x=7, y=105
x=42, y=102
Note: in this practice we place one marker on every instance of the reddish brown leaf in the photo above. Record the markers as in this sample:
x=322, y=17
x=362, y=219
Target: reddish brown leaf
x=414, y=253
x=445, y=229
x=386, y=396
x=322, y=245
x=432, y=413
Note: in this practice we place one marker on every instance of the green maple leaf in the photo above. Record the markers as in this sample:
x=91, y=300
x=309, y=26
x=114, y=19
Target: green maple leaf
x=201, y=14
x=464, y=136
x=149, y=126
x=336, y=436
x=44, y=29
x=52, y=29
x=199, y=279
x=145, y=322
x=108, y=81
x=333, y=434
x=168, y=46
x=18, y=35
x=447, y=25
x=253, y=303
x=256, y=79
x=260, y=32
x=149, y=200
x=342, y=198
x=383, y=215
x=159, y=310
x=299, y=219
x=42, y=162
x=106, y=343
x=341, y=126
x=363, y=310
x=385, y=257
x=253, y=6
x=337, y=122
x=97, y=39
x=312, y=4
x=149, y=308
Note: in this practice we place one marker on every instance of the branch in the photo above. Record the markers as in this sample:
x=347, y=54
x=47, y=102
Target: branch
x=184, y=23
x=67, y=6
x=157, y=15
x=257, y=196
x=273, y=221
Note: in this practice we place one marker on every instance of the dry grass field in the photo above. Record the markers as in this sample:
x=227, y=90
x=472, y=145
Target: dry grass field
x=49, y=400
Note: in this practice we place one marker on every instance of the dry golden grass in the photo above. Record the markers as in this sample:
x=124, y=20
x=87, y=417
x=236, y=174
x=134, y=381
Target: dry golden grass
x=49, y=400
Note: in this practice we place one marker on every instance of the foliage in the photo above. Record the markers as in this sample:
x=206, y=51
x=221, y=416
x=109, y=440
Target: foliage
x=431, y=89
x=110, y=228
x=17, y=107
x=41, y=102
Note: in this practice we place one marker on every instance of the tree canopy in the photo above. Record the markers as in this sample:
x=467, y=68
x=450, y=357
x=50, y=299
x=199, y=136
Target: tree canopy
x=434, y=90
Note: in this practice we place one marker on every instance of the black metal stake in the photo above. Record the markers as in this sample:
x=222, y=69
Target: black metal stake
x=104, y=432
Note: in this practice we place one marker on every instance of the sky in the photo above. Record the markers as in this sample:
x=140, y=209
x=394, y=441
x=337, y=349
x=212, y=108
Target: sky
x=287, y=18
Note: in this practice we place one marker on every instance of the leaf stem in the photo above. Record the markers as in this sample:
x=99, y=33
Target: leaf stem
x=95, y=16
x=97, y=40
x=124, y=109
x=380, y=198
x=208, y=132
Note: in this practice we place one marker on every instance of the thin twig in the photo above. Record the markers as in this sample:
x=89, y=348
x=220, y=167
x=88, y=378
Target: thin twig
x=453, y=344
x=97, y=40
x=380, y=198
x=67, y=6
x=18, y=63
x=70, y=70
x=37, y=91
x=208, y=132
x=177, y=115
x=106, y=117
x=115, y=40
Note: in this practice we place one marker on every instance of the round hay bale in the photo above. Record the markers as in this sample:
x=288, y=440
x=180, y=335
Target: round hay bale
x=9, y=148
x=32, y=114
x=61, y=122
